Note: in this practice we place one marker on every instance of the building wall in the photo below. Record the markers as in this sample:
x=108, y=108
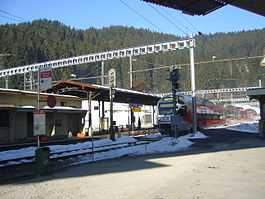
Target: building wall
x=23, y=99
x=121, y=114
x=20, y=106
x=4, y=124
x=21, y=128
x=4, y=133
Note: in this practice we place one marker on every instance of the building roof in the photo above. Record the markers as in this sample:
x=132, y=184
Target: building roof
x=101, y=93
x=4, y=91
x=203, y=7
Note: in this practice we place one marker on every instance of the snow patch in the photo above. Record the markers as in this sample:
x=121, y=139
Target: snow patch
x=166, y=144
x=247, y=127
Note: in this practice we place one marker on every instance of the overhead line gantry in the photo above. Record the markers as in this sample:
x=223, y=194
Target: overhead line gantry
x=98, y=57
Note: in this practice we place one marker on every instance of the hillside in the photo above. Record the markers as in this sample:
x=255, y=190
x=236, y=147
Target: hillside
x=44, y=40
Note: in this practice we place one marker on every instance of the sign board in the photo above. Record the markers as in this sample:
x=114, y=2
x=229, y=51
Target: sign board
x=112, y=77
x=39, y=124
x=45, y=79
x=136, y=109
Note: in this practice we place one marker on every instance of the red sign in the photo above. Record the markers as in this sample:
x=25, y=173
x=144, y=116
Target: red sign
x=51, y=101
x=46, y=74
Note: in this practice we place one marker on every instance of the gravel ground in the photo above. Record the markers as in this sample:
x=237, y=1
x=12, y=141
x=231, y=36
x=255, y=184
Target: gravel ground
x=227, y=165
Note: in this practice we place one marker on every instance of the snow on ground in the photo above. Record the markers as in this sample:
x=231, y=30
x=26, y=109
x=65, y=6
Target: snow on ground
x=247, y=127
x=165, y=144
x=30, y=151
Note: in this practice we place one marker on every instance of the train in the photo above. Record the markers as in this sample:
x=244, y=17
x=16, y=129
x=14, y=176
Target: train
x=208, y=113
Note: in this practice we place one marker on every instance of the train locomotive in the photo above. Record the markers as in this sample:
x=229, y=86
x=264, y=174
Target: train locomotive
x=208, y=114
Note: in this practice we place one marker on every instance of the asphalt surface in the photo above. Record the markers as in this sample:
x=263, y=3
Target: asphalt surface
x=227, y=164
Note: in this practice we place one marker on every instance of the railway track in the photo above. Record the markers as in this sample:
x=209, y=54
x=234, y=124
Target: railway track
x=67, y=154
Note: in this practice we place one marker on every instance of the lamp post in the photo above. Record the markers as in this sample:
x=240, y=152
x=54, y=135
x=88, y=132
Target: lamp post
x=131, y=71
x=102, y=73
x=131, y=87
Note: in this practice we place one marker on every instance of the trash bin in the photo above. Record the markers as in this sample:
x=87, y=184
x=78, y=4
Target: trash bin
x=42, y=156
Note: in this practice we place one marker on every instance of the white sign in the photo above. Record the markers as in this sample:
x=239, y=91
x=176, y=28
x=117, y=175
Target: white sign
x=39, y=123
x=45, y=79
x=112, y=77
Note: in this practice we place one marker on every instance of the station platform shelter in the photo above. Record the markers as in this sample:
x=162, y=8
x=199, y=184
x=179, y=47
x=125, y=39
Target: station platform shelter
x=259, y=94
x=92, y=93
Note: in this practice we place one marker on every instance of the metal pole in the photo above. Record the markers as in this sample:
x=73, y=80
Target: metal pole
x=102, y=73
x=131, y=87
x=112, y=133
x=6, y=81
x=193, y=88
x=38, y=103
x=89, y=98
x=38, y=90
x=260, y=84
x=31, y=79
x=99, y=126
x=24, y=81
x=131, y=72
x=132, y=121
x=153, y=115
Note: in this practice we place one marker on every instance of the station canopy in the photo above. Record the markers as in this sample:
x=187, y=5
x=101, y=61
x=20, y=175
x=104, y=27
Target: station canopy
x=203, y=7
x=101, y=93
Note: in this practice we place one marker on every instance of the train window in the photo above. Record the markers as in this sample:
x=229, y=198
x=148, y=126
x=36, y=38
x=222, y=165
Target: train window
x=168, y=105
x=165, y=111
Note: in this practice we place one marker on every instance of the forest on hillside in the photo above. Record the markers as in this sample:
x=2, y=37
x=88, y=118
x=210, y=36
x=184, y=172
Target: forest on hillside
x=44, y=40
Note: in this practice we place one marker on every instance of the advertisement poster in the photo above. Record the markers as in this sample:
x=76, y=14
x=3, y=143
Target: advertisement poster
x=39, y=123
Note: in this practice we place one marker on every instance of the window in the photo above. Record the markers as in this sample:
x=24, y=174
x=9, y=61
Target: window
x=4, y=118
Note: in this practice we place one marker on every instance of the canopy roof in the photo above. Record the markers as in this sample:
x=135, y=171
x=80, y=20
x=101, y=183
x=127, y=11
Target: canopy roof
x=203, y=7
x=101, y=93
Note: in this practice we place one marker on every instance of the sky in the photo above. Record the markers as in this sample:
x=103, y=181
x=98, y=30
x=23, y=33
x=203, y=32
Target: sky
x=83, y=14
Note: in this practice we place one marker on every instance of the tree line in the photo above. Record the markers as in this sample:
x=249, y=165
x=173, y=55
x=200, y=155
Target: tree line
x=44, y=40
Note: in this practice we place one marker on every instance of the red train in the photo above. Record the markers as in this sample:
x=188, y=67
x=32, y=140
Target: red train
x=208, y=114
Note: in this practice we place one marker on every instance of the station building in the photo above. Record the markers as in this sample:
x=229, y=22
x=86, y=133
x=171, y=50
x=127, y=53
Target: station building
x=17, y=108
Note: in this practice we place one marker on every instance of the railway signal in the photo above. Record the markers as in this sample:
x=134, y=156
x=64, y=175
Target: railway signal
x=174, y=78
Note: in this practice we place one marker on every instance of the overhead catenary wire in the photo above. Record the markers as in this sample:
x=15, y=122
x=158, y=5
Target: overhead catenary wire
x=191, y=24
x=140, y=15
x=161, y=66
x=174, y=19
x=169, y=20
x=12, y=15
x=10, y=18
